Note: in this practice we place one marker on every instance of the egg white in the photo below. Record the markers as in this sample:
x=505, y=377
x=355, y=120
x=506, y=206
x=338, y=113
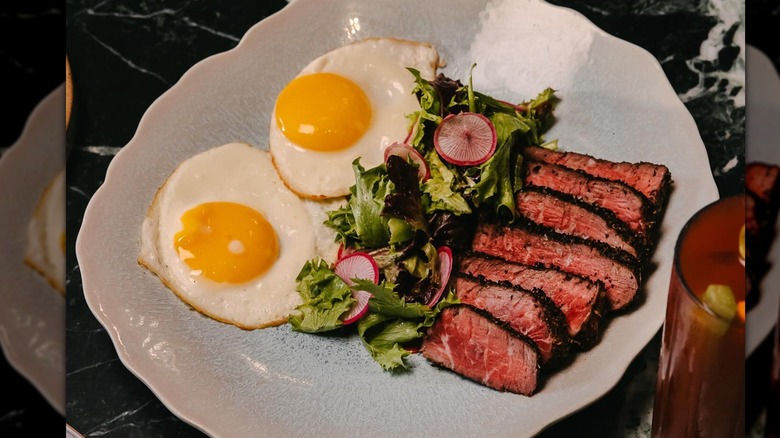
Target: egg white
x=378, y=67
x=45, y=252
x=240, y=173
x=325, y=237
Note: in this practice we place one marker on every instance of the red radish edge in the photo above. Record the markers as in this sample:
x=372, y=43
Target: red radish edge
x=465, y=139
x=445, y=269
x=518, y=107
x=357, y=265
x=407, y=152
x=359, y=308
x=413, y=348
x=344, y=251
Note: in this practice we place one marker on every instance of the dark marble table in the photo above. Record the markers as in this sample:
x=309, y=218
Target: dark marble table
x=31, y=66
x=125, y=54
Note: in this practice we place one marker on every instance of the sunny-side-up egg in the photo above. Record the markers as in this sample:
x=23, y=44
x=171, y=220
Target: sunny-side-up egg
x=228, y=237
x=46, y=234
x=350, y=102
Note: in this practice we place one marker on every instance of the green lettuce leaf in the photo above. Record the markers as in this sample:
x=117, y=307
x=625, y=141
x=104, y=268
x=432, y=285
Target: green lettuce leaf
x=325, y=298
x=439, y=188
x=367, y=200
x=386, y=301
x=343, y=222
x=497, y=175
x=539, y=115
x=383, y=334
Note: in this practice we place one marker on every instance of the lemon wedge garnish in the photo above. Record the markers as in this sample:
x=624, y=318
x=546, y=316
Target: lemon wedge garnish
x=720, y=299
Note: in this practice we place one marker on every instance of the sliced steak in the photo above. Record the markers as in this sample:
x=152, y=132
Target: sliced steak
x=473, y=344
x=531, y=244
x=582, y=301
x=759, y=226
x=652, y=180
x=529, y=312
x=762, y=200
x=568, y=215
x=761, y=179
x=628, y=205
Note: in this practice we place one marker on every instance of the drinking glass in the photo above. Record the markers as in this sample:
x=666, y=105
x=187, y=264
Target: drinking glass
x=773, y=406
x=700, y=391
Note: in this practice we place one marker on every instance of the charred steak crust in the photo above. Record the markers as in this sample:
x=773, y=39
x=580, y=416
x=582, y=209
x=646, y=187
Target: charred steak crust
x=448, y=316
x=585, y=186
x=762, y=202
x=637, y=241
x=619, y=206
x=652, y=180
x=621, y=258
x=759, y=226
x=761, y=179
x=615, y=254
x=552, y=316
x=589, y=331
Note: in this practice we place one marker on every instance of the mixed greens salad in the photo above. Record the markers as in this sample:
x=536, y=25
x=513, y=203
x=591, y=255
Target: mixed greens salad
x=404, y=218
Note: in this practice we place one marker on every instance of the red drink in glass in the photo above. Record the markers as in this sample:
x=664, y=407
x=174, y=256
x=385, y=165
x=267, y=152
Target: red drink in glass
x=773, y=407
x=700, y=390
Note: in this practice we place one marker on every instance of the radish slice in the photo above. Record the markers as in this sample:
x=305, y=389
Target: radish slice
x=445, y=269
x=359, y=308
x=409, y=153
x=465, y=139
x=357, y=265
x=344, y=251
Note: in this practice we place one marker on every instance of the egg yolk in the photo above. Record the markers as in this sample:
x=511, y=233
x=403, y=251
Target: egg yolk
x=226, y=242
x=323, y=112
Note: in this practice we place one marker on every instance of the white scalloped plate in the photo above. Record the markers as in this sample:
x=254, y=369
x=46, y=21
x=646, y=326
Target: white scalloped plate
x=32, y=313
x=616, y=103
x=763, y=110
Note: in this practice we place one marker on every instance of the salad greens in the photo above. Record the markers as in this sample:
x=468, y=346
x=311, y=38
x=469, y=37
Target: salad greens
x=494, y=182
x=401, y=222
x=392, y=322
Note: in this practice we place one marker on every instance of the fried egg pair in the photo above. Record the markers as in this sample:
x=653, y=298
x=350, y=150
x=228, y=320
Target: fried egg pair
x=229, y=238
x=46, y=234
x=350, y=102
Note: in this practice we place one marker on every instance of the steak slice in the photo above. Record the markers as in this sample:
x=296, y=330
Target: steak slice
x=568, y=215
x=628, y=205
x=761, y=179
x=529, y=312
x=762, y=200
x=652, y=180
x=759, y=227
x=475, y=345
x=531, y=244
x=582, y=301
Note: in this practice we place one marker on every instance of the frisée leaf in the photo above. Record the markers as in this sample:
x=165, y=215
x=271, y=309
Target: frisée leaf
x=326, y=297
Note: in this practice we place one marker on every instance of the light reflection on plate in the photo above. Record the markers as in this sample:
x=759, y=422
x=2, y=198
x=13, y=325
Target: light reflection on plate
x=230, y=382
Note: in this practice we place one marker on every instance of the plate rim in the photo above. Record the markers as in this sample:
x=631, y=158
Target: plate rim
x=93, y=299
x=17, y=358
